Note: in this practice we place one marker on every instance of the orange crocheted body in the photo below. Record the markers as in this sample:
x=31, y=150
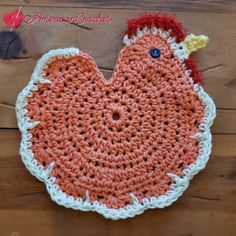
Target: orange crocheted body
x=112, y=138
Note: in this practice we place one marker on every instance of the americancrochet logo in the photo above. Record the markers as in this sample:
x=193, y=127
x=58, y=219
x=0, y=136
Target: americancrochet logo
x=17, y=17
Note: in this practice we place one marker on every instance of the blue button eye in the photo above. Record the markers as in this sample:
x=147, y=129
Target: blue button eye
x=155, y=52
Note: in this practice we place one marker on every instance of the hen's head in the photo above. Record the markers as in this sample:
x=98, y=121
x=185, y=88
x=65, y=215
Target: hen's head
x=156, y=40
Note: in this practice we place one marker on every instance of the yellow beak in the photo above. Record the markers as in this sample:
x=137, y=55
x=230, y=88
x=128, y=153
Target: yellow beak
x=193, y=42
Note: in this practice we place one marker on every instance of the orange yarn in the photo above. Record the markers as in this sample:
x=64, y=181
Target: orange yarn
x=112, y=138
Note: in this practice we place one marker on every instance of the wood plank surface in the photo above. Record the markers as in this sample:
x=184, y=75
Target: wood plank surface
x=208, y=207
x=154, y=5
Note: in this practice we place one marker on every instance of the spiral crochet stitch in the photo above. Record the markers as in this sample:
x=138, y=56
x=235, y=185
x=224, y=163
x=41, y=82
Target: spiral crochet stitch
x=124, y=145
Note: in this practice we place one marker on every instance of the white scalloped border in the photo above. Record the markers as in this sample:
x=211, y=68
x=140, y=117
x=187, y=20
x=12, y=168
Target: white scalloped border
x=27, y=156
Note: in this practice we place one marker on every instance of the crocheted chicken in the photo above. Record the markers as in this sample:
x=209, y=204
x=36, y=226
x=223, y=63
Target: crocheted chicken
x=126, y=144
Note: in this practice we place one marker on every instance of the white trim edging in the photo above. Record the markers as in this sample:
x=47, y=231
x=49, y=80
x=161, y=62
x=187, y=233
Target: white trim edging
x=177, y=188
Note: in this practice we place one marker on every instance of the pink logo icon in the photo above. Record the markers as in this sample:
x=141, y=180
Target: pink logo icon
x=14, y=19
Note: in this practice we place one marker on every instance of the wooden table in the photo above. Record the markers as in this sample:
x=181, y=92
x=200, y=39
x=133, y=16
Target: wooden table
x=208, y=207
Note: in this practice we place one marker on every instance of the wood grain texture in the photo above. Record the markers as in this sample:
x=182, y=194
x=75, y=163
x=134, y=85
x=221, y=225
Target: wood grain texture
x=207, y=208
x=154, y=5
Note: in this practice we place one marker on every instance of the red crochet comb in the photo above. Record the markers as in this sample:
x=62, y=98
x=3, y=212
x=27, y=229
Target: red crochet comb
x=158, y=20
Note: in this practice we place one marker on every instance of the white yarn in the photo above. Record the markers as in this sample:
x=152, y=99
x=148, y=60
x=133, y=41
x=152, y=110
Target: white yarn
x=177, y=188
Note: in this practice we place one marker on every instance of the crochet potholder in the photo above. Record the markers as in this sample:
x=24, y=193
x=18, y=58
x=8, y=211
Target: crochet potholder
x=123, y=145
